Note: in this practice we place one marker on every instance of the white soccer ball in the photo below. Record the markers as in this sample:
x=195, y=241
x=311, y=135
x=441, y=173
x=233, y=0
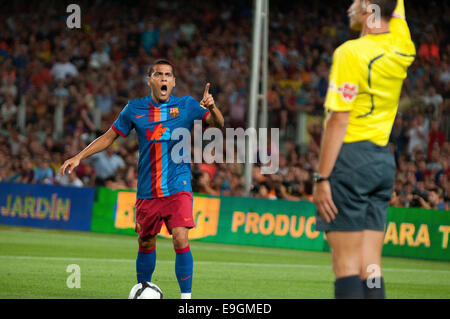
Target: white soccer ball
x=146, y=290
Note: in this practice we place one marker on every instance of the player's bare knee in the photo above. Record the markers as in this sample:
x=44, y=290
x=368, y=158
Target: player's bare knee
x=180, y=237
x=147, y=242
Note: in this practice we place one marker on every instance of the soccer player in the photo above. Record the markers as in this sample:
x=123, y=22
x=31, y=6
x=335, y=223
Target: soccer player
x=356, y=170
x=164, y=192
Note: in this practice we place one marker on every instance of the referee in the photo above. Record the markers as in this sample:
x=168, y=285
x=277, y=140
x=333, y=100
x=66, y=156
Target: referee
x=355, y=177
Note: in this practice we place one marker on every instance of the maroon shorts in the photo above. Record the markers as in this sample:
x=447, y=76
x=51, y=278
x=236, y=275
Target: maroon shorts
x=175, y=210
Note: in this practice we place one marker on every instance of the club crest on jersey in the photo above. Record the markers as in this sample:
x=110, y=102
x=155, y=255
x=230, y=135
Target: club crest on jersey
x=348, y=91
x=174, y=112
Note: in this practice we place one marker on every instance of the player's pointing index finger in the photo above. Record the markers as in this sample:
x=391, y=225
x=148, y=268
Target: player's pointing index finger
x=206, y=90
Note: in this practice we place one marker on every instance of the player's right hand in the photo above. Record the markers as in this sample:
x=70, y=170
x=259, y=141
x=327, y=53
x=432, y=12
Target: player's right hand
x=71, y=164
x=207, y=100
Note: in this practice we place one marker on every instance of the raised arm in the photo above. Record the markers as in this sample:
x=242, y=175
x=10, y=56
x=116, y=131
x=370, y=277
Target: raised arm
x=215, y=117
x=398, y=24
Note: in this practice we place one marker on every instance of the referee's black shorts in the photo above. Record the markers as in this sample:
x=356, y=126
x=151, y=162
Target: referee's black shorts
x=361, y=182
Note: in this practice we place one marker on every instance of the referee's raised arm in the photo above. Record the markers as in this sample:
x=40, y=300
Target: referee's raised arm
x=356, y=172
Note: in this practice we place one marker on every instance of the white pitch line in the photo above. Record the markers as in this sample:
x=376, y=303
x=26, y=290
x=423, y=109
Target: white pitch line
x=212, y=263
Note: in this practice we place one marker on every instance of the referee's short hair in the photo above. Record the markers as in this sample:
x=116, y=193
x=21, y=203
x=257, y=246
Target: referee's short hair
x=151, y=68
x=387, y=7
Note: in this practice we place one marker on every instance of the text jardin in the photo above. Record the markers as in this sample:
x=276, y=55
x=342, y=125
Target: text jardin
x=53, y=208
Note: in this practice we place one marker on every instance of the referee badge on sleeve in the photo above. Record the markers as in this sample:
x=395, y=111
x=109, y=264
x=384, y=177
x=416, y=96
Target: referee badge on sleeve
x=348, y=91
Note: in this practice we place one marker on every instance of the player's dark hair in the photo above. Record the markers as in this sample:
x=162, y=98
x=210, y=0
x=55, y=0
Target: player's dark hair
x=151, y=68
x=387, y=7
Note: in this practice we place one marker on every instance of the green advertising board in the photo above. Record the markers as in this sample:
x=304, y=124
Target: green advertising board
x=413, y=233
x=417, y=233
x=269, y=223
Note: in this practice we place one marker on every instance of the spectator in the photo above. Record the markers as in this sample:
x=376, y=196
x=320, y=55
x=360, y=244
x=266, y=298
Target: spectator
x=433, y=99
x=8, y=87
x=422, y=171
x=150, y=37
x=106, y=164
x=8, y=111
x=417, y=135
x=41, y=75
x=104, y=100
x=429, y=51
x=69, y=180
x=445, y=168
x=436, y=138
x=27, y=172
x=204, y=185
x=63, y=69
x=16, y=141
x=435, y=200
x=399, y=135
x=43, y=174
x=434, y=163
x=100, y=57
x=60, y=91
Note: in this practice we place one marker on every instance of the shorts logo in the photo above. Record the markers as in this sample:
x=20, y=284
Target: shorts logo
x=174, y=112
x=348, y=91
x=138, y=227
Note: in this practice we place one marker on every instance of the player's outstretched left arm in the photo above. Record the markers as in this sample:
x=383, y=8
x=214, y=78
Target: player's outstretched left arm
x=215, y=117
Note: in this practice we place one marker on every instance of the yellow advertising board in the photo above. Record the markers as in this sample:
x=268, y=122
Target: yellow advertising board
x=205, y=213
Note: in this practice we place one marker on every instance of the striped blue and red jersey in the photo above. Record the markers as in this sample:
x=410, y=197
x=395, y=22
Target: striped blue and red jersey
x=158, y=174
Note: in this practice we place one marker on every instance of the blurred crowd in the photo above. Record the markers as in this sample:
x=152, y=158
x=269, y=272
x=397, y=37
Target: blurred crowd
x=93, y=71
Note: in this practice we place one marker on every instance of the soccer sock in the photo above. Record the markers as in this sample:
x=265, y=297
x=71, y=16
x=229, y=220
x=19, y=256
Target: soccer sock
x=145, y=264
x=348, y=288
x=184, y=266
x=375, y=292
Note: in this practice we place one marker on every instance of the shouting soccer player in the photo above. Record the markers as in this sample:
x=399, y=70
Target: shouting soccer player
x=356, y=170
x=164, y=192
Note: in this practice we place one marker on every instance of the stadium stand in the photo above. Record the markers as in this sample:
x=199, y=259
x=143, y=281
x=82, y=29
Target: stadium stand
x=90, y=73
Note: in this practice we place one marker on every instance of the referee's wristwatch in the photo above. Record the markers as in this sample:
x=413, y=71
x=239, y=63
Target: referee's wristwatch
x=317, y=178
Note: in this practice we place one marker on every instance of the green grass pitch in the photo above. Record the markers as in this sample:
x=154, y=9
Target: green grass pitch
x=33, y=264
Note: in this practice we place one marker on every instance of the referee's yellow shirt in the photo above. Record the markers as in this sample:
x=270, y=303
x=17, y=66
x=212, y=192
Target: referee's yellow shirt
x=366, y=79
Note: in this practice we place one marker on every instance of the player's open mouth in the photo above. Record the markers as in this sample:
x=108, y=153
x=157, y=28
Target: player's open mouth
x=164, y=90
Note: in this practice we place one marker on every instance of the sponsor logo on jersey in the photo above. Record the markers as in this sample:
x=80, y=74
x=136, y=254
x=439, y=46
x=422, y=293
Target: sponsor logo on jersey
x=159, y=133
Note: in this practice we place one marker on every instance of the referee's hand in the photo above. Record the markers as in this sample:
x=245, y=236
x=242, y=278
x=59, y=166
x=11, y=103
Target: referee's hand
x=324, y=201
